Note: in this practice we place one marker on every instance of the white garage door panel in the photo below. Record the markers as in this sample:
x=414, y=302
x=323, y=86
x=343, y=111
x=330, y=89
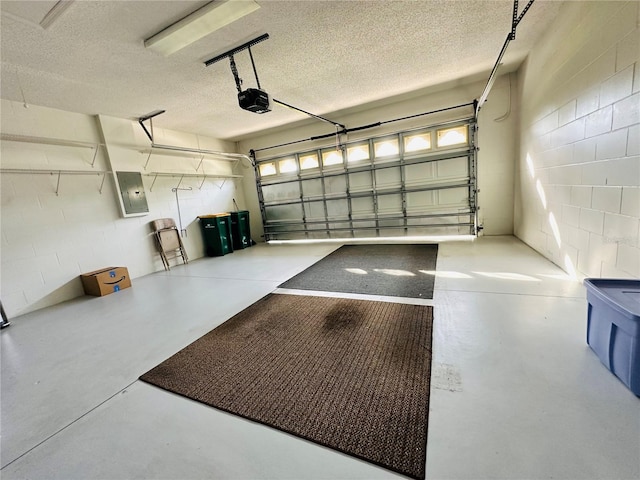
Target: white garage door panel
x=360, y=181
x=390, y=204
x=361, y=206
x=419, y=174
x=312, y=188
x=388, y=178
x=454, y=196
x=314, y=211
x=417, y=202
x=335, y=185
x=285, y=212
x=418, y=192
x=287, y=191
x=337, y=209
x=454, y=168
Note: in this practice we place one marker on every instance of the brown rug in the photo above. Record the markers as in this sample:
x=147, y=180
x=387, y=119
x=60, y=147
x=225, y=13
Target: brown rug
x=352, y=375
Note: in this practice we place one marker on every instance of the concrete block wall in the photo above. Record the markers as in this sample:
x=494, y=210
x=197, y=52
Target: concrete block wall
x=577, y=196
x=48, y=240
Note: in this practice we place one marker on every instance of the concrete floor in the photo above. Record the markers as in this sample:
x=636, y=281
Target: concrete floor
x=516, y=392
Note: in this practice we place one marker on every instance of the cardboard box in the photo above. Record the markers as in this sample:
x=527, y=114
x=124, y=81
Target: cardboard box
x=105, y=281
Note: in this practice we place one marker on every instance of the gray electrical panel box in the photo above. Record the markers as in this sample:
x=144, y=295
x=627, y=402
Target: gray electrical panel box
x=134, y=199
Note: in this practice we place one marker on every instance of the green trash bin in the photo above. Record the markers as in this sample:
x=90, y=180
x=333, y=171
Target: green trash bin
x=216, y=233
x=240, y=229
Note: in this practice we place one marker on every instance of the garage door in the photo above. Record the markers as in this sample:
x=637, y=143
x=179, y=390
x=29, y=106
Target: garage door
x=414, y=182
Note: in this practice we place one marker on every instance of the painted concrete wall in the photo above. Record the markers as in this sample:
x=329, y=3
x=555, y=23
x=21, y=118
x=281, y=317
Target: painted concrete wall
x=496, y=139
x=48, y=240
x=578, y=169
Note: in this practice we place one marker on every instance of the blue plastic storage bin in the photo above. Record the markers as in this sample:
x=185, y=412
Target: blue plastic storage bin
x=613, y=327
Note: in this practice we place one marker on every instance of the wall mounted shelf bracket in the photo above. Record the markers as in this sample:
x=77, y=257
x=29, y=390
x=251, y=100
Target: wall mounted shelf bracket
x=149, y=117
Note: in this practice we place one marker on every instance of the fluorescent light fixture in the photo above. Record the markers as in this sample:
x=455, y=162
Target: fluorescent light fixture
x=213, y=16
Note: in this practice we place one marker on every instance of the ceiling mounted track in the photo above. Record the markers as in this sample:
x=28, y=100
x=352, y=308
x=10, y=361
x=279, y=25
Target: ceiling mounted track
x=516, y=19
x=56, y=11
x=237, y=49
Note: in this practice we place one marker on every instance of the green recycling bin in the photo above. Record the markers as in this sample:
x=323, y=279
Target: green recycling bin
x=240, y=230
x=216, y=233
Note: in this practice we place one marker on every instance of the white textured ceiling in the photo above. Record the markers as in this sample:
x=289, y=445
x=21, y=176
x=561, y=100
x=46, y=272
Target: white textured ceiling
x=322, y=56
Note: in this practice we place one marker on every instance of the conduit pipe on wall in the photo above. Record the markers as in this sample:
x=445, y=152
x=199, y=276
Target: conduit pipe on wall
x=183, y=231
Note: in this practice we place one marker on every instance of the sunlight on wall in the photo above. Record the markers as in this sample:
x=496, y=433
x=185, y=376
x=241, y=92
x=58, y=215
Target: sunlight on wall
x=543, y=197
x=532, y=172
x=568, y=264
x=555, y=229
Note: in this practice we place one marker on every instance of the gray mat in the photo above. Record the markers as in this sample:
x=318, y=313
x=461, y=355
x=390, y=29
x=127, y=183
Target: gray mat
x=393, y=270
x=352, y=375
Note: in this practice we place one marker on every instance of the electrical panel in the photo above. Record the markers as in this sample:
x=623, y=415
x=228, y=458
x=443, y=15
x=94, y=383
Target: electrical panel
x=134, y=199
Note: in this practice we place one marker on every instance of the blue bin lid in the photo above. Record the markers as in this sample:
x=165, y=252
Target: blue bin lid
x=625, y=294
